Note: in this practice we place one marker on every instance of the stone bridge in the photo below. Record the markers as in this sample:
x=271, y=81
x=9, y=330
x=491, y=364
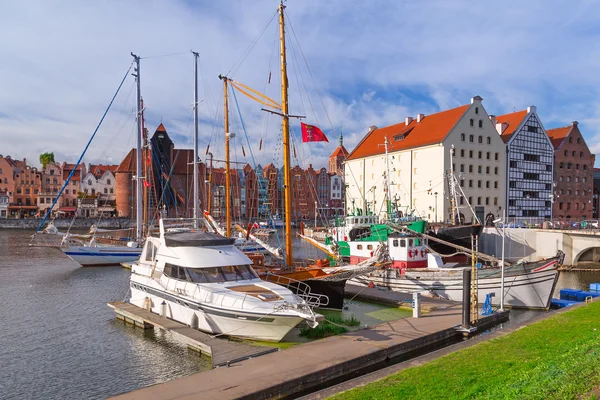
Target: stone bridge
x=580, y=246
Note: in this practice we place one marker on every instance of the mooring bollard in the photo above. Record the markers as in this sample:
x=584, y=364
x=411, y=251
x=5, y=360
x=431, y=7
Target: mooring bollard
x=466, y=306
x=163, y=309
x=416, y=305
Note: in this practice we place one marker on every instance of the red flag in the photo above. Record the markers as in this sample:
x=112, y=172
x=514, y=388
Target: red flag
x=311, y=133
x=146, y=184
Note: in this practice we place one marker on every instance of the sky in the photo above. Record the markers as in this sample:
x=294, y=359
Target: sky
x=351, y=64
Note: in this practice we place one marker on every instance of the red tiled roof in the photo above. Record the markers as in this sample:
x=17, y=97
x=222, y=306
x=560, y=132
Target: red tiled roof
x=340, y=151
x=99, y=170
x=513, y=120
x=431, y=130
x=557, y=135
x=129, y=162
x=161, y=128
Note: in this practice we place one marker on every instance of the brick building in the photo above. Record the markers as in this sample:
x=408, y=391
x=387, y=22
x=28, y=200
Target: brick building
x=573, y=174
x=73, y=188
x=52, y=182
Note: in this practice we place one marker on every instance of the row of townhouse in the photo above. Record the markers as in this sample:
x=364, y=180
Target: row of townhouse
x=27, y=191
x=256, y=193
x=501, y=164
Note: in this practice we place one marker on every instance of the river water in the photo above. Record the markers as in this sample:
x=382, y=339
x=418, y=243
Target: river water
x=59, y=340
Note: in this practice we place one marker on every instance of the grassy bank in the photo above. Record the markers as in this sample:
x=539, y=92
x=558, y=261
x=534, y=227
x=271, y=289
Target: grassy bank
x=558, y=358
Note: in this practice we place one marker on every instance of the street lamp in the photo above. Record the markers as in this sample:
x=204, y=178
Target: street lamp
x=436, y=205
x=502, y=267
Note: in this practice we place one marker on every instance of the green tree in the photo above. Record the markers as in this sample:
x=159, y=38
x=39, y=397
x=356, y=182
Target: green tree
x=46, y=159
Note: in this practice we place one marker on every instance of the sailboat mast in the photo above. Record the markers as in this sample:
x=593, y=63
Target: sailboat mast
x=285, y=125
x=388, y=196
x=452, y=181
x=227, y=166
x=138, y=165
x=196, y=192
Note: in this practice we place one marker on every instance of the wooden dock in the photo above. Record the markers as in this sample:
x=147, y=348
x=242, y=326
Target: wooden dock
x=222, y=351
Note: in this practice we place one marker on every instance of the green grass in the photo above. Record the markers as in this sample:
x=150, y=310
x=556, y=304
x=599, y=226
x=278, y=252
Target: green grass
x=335, y=323
x=558, y=358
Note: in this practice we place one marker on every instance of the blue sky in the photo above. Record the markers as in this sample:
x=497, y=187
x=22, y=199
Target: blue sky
x=371, y=63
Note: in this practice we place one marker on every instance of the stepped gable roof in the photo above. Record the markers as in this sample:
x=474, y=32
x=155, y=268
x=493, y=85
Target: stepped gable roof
x=513, y=120
x=129, y=162
x=339, y=152
x=431, y=130
x=557, y=135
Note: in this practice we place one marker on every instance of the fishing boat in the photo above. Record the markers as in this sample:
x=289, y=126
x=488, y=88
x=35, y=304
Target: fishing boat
x=203, y=280
x=527, y=285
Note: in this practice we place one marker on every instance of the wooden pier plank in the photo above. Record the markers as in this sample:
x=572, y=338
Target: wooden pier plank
x=222, y=350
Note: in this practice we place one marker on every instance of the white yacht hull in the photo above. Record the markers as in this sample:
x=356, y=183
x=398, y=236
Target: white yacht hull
x=531, y=290
x=95, y=256
x=213, y=319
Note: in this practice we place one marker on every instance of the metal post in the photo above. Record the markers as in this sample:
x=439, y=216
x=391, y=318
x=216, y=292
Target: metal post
x=466, y=306
x=436, y=207
x=196, y=193
x=416, y=303
x=138, y=165
x=315, y=215
x=502, y=270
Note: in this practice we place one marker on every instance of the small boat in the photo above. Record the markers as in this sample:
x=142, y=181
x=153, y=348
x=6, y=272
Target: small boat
x=203, y=280
x=92, y=254
x=527, y=285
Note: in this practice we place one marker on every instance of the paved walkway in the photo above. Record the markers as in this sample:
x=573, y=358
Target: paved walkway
x=309, y=365
x=396, y=298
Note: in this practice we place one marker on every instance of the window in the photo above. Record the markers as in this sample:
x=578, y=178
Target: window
x=470, y=168
x=513, y=164
x=489, y=141
x=108, y=182
x=566, y=153
x=105, y=190
x=89, y=181
x=487, y=184
x=487, y=155
x=531, y=129
x=470, y=183
x=42, y=200
x=577, y=206
x=471, y=137
x=487, y=201
x=476, y=110
x=479, y=201
x=582, y=204
x=576, y=179
x=570, y=140
x=573, y=153
x=27, y=191
x=583, y=179
x=576, y=166
x=359, y=247
x=369, y=247
x=402, y=242
x=472, y=123
x=512, y=202
x=112, y=190
x=560, y=205
x=480, y=123
x=561, y=165
x=480, y=138
x=531, y=176
x=496, y=156
x=462, y=137
x=462, y=152
x=568, y=179
x=487, y=170
x=462, y=167
x=584, y=167
x=496, y=170
x=496, y=185
x=470, y=200
x=462, y=200
x=479, y=155
x=580, y=153
x=395, y=242
x=479, y=169
x=478, y=184
x=462, y=183
x=495, y=201
x=548, y=168
x=548, y=186
x=577, y=193
x=578, y=140
x=470, y=153
x=531, y=157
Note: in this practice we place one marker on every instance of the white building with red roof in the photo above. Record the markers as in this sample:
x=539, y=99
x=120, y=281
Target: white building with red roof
x=419, y=165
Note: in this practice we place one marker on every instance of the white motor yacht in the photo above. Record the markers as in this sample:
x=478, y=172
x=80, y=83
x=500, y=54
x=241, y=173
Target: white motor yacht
x=203, y=280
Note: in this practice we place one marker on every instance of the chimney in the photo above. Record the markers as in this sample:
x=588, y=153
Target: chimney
x=493, y=119
x=574, y=123
x=408, y=120
x=501, y=127
x=372, y=128
x=24, y=161
x=420, y=117
x=531, y=109
x=476, y=99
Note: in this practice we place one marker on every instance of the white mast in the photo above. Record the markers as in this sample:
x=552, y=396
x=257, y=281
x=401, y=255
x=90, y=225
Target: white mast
x=387, y=181
x=196, y=216
x=138, y=167
x=453, y=198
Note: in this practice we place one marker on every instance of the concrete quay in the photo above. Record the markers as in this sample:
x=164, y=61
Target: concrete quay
x=313, y=366
x=79, y=223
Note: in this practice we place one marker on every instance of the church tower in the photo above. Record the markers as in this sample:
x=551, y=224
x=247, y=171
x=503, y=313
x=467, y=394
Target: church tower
x=336, y=160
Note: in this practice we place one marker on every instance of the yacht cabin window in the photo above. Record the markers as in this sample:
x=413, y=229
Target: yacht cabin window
x=210, y=275
x=403, y=243
x=150, y=252
x=395, y=242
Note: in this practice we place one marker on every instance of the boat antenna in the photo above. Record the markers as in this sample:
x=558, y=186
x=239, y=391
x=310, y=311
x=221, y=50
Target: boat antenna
x=138, y=165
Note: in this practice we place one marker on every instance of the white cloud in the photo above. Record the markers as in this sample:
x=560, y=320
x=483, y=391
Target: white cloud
x=374, y=62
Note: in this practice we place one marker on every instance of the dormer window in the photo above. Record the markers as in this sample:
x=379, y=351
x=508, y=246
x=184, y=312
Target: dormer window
x=397, y=138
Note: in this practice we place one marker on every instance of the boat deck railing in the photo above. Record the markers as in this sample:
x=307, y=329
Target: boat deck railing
x=301, y=289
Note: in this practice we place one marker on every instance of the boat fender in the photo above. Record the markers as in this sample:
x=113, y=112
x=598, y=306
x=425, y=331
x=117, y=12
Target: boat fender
x=371, y=285
x=345, y=238
x=371, y=253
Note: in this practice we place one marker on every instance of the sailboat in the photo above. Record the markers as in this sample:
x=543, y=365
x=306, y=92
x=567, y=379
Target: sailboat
x=88, y=250
x=293, y=274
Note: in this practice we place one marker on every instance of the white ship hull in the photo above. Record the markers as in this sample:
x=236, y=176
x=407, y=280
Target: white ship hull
x=531, y=290
x=94, y=256
x=211, y=318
